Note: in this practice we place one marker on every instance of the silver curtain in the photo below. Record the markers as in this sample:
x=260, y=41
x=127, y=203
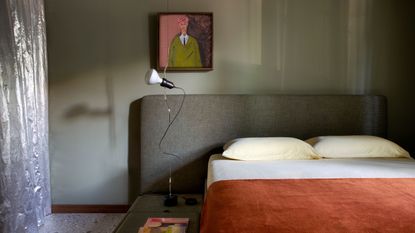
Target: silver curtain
x=24, y=158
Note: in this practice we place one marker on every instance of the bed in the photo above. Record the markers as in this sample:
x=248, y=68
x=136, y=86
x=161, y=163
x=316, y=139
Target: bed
x=262, y=198
x=326, y=195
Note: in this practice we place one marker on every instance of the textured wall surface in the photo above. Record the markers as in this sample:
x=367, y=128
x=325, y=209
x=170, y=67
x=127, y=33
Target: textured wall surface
x=24, y=154
x=97, y=62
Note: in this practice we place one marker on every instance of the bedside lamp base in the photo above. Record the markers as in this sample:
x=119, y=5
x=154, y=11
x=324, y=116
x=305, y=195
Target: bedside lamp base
x=170, y=200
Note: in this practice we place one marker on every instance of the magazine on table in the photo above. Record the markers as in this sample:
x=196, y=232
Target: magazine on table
x=165, y=225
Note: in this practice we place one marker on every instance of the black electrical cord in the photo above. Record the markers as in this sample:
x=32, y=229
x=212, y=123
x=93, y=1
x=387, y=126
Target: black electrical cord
x=164, y=135
x=171, y=123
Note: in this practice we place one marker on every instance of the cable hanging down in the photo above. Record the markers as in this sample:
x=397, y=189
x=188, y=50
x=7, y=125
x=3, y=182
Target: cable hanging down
x=166, y=131
x=171, y=122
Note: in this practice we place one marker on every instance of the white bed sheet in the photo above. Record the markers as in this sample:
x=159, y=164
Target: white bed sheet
x=221, y=168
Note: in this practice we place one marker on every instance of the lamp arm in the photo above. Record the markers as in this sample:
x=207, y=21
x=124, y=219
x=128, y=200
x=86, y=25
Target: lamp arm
x=171, y=199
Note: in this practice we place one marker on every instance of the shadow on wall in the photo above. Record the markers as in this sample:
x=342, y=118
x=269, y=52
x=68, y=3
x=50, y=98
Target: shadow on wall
x=82, y=109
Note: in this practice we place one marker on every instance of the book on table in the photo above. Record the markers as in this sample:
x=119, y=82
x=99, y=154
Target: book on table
x=165, y=225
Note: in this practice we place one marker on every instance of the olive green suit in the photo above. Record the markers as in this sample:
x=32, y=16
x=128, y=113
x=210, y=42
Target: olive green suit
x=187, y=55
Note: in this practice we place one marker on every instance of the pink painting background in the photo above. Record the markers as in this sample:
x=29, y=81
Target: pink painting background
x=168, y=29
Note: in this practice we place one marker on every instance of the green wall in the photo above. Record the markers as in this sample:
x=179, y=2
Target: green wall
x=99, y=51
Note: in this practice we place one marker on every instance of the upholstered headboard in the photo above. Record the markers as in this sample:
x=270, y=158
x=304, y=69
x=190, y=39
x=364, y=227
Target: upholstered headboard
x=208, y=121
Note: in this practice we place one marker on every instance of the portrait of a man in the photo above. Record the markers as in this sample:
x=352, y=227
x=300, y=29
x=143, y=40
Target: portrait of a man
x=185, y=41
x=184, y=49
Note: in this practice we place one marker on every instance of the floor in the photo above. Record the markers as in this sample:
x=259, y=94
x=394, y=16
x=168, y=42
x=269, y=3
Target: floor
x=81, y=223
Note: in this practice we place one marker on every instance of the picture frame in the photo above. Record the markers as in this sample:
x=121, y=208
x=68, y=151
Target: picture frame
x=185, y=41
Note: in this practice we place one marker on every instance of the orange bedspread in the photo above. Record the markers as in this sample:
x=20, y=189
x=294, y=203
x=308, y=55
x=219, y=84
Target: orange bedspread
x=310, y=205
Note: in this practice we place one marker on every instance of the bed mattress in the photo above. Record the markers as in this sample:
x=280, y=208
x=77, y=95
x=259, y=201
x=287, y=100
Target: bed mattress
x=221, y=168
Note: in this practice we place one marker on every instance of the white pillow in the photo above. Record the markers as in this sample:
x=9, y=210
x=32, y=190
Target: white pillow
x=268, y=148
x=357, y=146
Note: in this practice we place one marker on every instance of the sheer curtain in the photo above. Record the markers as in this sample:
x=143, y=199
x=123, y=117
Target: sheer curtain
x=24, y=158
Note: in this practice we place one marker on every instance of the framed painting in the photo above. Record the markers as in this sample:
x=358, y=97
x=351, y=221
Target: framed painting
x=185, y=42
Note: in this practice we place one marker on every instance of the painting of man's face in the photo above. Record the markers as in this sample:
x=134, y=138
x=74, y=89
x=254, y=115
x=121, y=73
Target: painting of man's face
x=183, y=22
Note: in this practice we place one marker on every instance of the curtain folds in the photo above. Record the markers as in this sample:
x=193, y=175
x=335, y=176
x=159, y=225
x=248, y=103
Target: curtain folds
x=24, y=156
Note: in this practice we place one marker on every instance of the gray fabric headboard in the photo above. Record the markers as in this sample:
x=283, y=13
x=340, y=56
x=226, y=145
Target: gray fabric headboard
x=208, y=121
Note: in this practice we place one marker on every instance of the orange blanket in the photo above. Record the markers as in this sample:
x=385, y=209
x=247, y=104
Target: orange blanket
x=310, y=205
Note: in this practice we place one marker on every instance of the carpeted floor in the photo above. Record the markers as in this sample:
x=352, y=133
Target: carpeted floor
x=81, y=223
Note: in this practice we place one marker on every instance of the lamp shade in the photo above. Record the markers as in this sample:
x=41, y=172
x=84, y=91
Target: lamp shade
x=152, y=77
